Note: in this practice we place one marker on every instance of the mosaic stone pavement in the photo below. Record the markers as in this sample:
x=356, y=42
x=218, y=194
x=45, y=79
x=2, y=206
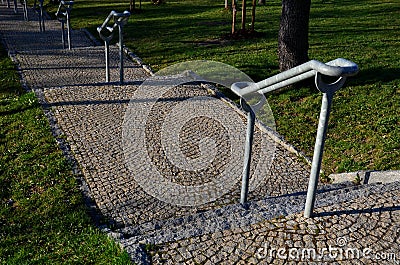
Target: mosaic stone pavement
x=162, y=164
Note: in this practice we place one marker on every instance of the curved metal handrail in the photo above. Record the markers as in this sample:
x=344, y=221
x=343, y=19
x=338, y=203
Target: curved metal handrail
x=24, y=5
x=63, y=15
x=64, y=9
x=40, y=13
x=120, y=19
x=340, y=68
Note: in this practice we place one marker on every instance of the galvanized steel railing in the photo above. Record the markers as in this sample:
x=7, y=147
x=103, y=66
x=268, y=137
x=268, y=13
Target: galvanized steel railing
x=107, y=33
x=25, y=9
x=339, y=68
x=63, y=15
x=41, y=15
x=15, y=6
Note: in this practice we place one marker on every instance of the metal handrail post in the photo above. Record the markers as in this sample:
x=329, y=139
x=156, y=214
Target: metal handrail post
x=107, y=54
x=25, y=9
x=318, y=152
x=63, y=34
x=68, y=30
x=121, y=55
x=121, y=19
x=8, y=4
x=251, y=118
x=41, y=17
x=15, y=7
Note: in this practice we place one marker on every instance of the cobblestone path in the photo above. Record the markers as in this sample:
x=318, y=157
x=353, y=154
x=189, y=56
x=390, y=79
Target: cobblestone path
x=140, y=148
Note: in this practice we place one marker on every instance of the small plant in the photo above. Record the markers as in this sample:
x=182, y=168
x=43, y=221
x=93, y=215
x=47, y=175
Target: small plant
x=325, y=178
x=150, y=247
x=357, y=179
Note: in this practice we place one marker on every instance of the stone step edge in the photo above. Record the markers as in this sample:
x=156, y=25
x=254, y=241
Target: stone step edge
x=236, y=216
x=44, y=51
x=367, y=176
x=31, y=11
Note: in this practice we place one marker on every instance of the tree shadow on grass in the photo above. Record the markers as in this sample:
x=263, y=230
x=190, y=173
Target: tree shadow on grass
x=376, y=75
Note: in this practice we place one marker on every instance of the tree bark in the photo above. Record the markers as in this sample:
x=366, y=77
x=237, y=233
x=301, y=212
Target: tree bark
x=132, y=5
x=244, y=6
x=293, y=33
x=253, y=15
x=234, y=11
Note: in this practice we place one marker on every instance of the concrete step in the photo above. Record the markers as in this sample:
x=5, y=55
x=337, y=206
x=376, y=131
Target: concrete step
x=21, y=35
x=76, y=67
x=9, y=14
x=367, y=176
x=25, y=36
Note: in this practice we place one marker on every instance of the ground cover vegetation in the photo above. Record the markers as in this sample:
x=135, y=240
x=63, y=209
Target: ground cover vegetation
x=364, y=131
x=43, y=219
x=42, y=215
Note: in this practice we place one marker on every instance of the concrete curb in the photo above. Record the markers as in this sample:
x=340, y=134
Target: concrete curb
x=367, y=177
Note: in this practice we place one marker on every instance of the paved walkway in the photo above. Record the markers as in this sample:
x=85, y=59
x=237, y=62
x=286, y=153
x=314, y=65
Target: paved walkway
x=142, y=149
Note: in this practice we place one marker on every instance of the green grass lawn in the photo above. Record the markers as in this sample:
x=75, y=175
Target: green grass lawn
x=43, y=219
x=42, y=215
x=364, y=127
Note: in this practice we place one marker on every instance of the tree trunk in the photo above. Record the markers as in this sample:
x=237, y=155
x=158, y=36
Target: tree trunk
x=132, y=5
x=253, y=15
x=244, y=15
x=293, y=33
x=233, y=16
